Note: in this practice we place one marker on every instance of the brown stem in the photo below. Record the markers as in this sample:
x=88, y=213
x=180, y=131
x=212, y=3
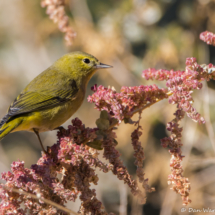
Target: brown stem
x=47, y=201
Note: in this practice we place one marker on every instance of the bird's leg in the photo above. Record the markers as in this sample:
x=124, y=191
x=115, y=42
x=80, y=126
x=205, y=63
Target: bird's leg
x=37, y=133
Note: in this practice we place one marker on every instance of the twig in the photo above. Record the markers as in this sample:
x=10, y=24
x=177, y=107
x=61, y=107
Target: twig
x=44, y=200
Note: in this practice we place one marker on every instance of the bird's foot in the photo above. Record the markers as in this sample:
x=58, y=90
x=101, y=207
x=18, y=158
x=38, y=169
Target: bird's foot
x=60, y=128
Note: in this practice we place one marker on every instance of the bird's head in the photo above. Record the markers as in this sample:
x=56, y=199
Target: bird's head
x=80, y=65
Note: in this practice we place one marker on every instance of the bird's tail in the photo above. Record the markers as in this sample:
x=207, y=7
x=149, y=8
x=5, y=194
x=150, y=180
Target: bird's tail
x=6, y=126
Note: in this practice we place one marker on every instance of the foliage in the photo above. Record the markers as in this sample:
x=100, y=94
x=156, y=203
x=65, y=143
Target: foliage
x=67, y=171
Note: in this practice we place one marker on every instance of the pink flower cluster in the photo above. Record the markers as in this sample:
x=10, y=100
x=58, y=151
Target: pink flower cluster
x=118, y=169
x=179, y=183
x=124, y=104
x=181, y=84
x=74, y=163
x=56, y=12
x=208, y=37
x=139, y=155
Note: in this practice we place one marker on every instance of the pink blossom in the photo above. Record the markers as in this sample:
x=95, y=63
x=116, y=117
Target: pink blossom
x=182, y=83
x=208, y=37
x=56, y=11
x=122, y=105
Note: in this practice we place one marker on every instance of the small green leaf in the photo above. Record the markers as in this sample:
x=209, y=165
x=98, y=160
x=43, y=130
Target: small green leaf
x=96, y=144
x=102, y=124
x=104, y=114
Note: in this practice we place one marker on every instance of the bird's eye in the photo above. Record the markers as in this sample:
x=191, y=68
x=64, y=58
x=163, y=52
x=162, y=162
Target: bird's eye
x=86, y=60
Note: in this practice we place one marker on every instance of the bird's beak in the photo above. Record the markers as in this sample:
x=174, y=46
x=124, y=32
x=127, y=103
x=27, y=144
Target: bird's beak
x=102, y=66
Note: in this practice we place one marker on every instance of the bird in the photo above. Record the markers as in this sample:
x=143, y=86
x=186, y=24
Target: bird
x=52, y=97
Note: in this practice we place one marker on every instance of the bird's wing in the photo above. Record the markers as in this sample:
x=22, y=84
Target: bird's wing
x=38, y=100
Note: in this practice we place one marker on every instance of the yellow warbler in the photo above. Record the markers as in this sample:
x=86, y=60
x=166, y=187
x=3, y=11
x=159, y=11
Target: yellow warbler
x=52, y=97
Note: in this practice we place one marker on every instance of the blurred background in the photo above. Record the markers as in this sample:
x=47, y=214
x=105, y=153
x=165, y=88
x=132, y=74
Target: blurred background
x=131, y=35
